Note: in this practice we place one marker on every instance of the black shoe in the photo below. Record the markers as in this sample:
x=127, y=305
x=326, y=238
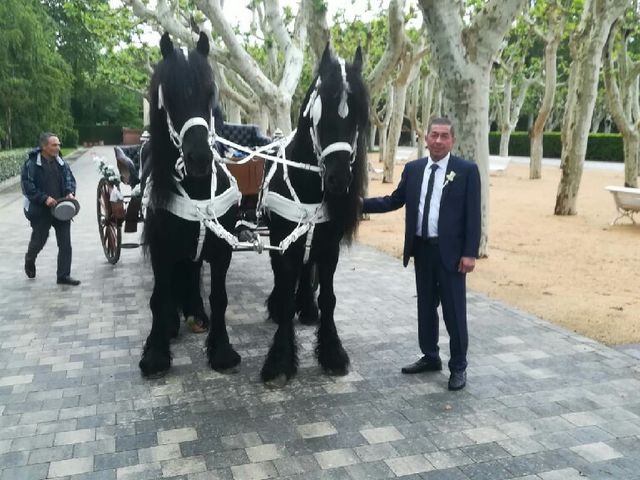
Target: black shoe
x=68, y=281
x=30, y=268
x=423, y=365
x=457, y=380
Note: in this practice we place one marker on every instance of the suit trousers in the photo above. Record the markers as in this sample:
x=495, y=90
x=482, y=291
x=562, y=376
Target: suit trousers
x=436, y=285
x=40, y=226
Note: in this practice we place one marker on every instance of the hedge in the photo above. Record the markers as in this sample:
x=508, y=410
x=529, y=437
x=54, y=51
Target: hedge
x=11, y=162
x=606, y=147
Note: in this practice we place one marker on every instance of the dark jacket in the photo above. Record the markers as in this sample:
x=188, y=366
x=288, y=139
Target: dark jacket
x=459, y=218
x=33, y=181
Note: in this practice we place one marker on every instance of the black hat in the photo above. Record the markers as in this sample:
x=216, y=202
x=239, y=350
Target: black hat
x=66, y=209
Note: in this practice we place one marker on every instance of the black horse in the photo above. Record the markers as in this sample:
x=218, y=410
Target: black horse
x=183, y=176
x=331, y=135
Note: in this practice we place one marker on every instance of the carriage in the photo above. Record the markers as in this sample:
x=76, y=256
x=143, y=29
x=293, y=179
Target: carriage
x=119, y=193
x=194, y=206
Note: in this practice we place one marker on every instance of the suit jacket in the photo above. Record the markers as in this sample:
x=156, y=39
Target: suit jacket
x=459, y=218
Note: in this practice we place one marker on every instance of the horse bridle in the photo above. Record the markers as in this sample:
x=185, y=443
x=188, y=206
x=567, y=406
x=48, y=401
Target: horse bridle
x=178, y=138
x=313, y=111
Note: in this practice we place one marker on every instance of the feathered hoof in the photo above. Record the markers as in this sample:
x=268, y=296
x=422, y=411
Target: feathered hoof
x=335, y=363
x=336, y=372
x=276, y=383
x=154, y=363
x=277, y=374
x=224, y=359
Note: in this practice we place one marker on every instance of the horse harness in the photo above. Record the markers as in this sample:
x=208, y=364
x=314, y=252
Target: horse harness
x=207, y=212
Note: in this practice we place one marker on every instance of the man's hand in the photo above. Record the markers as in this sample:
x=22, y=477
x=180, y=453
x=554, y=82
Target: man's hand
x=51, y=202
x=70, y=196
x=466, y=264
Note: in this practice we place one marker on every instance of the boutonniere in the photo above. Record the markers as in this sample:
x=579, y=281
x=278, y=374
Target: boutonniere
x=449, y=178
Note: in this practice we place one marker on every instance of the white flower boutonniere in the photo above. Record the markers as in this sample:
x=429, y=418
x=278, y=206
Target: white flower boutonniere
x=449, y=178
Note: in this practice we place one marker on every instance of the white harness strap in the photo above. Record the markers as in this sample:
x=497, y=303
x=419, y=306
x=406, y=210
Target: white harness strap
x=205, y=212
x=294, y=211
x=188, y=209
x=307, y=245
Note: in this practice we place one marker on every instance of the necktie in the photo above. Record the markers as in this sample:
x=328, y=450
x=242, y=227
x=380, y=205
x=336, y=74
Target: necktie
x=427, y=201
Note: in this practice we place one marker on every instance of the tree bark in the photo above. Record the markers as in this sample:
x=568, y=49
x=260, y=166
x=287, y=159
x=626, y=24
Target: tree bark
x=587, y=43
x=622, y=98
x=275, y=92
x=409, y=68
x=552, y=41
x=379, y=76
x=464, y=57
x=505, y=124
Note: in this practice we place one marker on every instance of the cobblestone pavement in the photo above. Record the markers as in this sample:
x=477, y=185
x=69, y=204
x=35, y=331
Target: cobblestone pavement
x=541, y=402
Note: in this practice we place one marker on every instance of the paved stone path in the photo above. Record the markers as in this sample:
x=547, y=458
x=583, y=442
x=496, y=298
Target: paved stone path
x=541, y=402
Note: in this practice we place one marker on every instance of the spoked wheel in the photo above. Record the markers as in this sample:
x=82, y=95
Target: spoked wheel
x=110, y=230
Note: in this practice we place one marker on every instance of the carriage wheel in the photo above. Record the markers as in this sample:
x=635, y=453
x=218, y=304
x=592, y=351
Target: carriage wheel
x=109, y=229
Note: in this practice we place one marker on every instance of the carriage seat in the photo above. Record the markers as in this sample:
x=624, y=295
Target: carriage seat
x=245, y=135
x=128, y=161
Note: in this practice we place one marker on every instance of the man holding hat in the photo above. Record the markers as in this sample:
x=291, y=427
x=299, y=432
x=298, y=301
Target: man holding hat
x=47, y=180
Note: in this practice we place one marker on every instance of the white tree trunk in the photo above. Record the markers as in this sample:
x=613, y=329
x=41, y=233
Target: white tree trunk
x=622, y=98
x=383, y=71
x=395, y=129
x=387, y=160
x=552, y=40
x=233, y=113
x=274, y=92
x=587, y=43
x=505, y=118
x=464, y=57
x=408, y=71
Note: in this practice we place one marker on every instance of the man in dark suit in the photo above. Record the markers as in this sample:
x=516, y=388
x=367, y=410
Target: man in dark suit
x=441, y=194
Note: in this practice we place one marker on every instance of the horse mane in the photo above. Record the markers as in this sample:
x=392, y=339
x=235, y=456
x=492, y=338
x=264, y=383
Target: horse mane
x=344, y=210
x=179, y=77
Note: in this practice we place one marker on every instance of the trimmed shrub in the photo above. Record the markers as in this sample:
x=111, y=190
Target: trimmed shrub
x=11, y=162
x=606, y=147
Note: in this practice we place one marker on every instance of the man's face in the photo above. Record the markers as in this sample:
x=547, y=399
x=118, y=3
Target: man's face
x=439, y=141
x=52, y=148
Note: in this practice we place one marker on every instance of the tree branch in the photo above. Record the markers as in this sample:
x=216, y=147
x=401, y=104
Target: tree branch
x=379, y=76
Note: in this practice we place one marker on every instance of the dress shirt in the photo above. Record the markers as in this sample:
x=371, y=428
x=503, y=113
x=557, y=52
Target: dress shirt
x=436, y=196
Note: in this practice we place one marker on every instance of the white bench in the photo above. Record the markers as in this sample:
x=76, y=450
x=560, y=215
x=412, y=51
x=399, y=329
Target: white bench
x=627, y=202
x=498, y=165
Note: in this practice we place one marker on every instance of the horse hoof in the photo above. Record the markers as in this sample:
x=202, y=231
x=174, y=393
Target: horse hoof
x=336, y=372
x=154, y=361
x=224, y=360
x=276, y=383
x=153, y=371
x=155, y=375
x=230, y=370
